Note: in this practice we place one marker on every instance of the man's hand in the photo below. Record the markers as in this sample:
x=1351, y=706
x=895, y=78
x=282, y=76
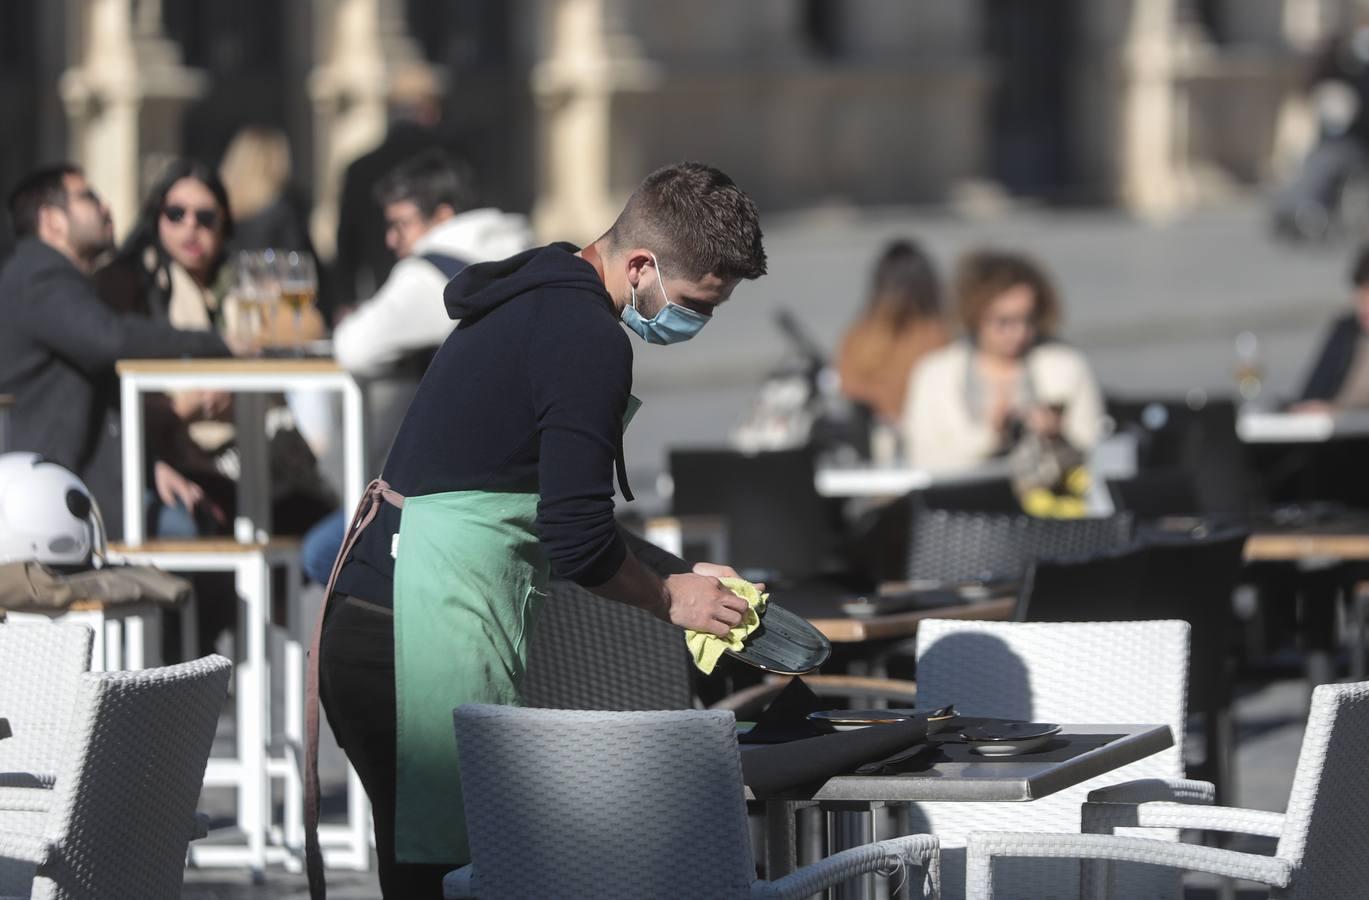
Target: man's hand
x=174, y=489
x=701, y=603
x=720, y=571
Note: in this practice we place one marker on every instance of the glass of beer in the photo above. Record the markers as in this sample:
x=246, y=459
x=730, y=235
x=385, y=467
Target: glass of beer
x=298, y=288
x=255, y=288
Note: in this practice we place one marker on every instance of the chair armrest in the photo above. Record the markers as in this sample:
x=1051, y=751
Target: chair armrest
x=983, y=847
x=1102, y=818
x=887, y=858
x=26, y=848
x=755, y=697
x=1148, y=790
x=457, y=883
x=25, y=799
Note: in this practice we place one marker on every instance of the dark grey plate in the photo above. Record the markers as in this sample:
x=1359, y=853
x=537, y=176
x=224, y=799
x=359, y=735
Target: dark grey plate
x=785, y=644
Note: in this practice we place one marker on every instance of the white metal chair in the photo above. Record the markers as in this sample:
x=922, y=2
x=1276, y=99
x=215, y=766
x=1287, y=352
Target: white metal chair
x=40, y=673
x=123, y=808
x=1323, y=849
x=1089, y=672
x=577, y=803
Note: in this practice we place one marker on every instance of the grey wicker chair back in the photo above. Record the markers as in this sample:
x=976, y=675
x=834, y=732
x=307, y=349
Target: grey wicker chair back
x=1326, y=830
x=603, y=804
x=958, y=547
x=1082, y=672
x=124, y=810
x=591, y=653
x=40, y=670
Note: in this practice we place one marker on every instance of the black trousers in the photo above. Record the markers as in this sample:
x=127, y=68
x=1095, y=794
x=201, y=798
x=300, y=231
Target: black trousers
x=357, y=687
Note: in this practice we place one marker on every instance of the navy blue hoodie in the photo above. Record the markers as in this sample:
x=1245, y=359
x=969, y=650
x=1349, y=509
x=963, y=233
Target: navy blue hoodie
x=526, y=395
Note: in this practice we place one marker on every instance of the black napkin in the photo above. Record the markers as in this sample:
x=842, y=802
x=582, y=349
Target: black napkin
x=786, y=718
x=802, y=766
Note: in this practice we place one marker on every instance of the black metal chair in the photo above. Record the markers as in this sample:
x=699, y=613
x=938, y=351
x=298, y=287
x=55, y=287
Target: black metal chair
x=776, y=520
x=956, y=547
x=1180, y=577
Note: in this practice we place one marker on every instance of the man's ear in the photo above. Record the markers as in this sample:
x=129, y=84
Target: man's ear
x=52, y=224
x=637, y=260
x=443, y=212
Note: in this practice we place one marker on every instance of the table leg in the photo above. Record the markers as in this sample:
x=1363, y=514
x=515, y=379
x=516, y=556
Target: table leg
x=852, y=825
x=296, y=633
x=354, y=475
x=254, y=477
x=254, y=588
x=131, y=436
x=780, y=835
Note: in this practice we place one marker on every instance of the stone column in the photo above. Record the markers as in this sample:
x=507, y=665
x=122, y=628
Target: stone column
x=124, y=98
x=364, y=42
x=1149, y=176
x=588, y=61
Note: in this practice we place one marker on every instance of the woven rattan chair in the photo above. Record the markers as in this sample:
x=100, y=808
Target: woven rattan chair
x=1323, y=849
x=573, y=803
x=957, y=547
x=591, y=653
x=123, y=808
x=1091, y=672
x=40, y=670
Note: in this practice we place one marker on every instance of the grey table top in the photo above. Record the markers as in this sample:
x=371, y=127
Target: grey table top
x=1009, y=779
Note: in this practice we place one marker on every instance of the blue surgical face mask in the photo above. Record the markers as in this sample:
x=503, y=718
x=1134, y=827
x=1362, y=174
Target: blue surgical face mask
x=671, y=325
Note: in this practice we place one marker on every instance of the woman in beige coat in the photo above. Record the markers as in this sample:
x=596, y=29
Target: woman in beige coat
x=971, y=401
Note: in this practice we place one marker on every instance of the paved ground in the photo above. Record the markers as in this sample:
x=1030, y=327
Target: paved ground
x=1156, y=308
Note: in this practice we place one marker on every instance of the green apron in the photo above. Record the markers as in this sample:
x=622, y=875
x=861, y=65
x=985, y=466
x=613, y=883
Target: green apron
x=469, y=577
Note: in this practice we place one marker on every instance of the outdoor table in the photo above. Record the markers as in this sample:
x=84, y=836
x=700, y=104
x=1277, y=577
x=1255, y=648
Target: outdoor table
x=251, y=380
x=1301, y=428
x=852, y=798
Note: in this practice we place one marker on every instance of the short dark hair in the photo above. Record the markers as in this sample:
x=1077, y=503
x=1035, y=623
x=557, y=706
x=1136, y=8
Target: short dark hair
x=984, y=275
x=695, y=217
x=45, y=187
x=428, y=180
x=1359, y=272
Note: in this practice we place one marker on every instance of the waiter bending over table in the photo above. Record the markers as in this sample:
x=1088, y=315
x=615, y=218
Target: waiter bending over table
x=501, y=476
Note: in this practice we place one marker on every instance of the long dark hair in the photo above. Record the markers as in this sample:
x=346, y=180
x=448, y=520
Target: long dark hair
x=145, y=233
x=905, y=288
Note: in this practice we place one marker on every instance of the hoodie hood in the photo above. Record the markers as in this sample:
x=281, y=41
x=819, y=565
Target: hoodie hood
x=482, y=287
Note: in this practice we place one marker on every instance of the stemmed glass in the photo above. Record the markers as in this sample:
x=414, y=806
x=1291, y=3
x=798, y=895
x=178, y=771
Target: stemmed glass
x=298, y=287
x=256, y=288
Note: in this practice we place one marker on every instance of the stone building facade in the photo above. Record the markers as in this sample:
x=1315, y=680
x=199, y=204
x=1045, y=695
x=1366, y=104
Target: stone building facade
x=562, y=105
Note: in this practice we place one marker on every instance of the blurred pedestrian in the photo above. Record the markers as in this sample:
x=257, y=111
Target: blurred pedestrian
x=976, y=399
x=59, y=344
x=901, y=323
x=256, y=174
x=363, y=259
x=1340, y=376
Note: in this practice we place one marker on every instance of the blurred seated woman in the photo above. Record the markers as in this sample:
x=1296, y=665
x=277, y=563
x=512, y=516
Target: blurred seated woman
x=901, y=323
x=978, y=398
x=171, y=267
x=1340, y=378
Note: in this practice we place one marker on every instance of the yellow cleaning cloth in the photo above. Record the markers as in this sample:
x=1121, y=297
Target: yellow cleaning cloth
x=706, y=648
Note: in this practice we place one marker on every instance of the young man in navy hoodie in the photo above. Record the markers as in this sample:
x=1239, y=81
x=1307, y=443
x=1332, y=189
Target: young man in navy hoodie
x=506, y=460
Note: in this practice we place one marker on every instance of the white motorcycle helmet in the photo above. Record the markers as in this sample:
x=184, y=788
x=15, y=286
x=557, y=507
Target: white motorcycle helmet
x=46, y=513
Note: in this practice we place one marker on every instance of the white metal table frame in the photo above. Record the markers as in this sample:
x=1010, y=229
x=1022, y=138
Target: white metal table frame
x=249, y=378
x=1301, y=428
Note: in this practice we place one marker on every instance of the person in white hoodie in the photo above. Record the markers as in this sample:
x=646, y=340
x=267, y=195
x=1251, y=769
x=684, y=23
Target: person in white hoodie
x=433, y=232
x=389, y=339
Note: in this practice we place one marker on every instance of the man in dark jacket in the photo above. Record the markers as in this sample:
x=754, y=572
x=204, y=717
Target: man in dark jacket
x=59, y=343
